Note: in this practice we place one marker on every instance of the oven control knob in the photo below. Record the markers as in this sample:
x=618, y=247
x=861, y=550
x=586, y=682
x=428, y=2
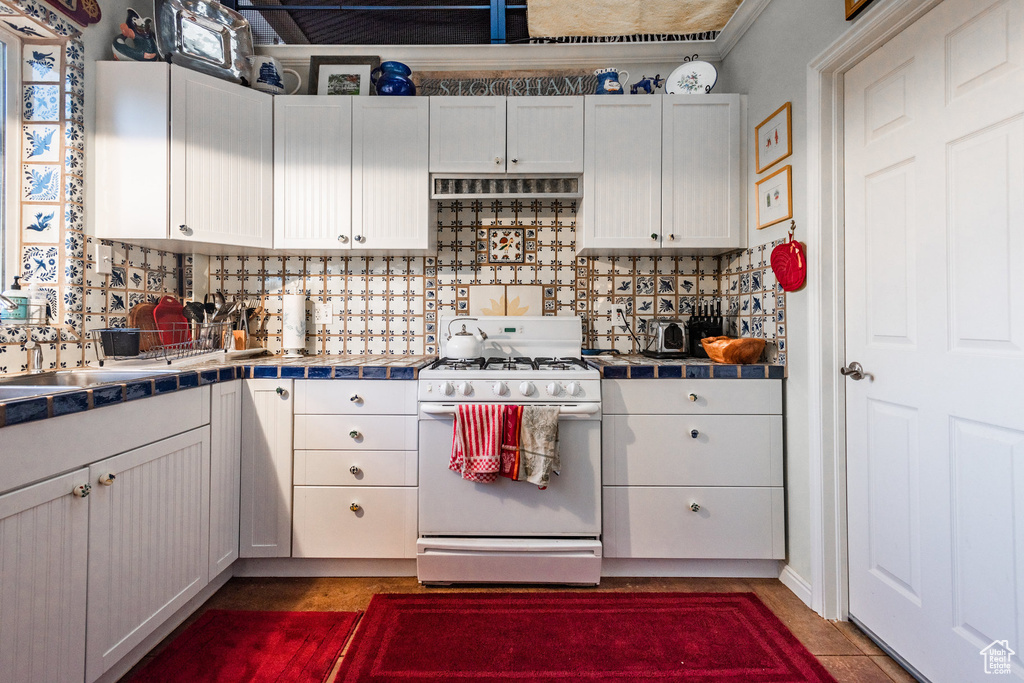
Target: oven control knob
x=554, y=389
x=500, y=389
x=447, y=388
x=464, y=388
x=526, y=388
x=573, y=389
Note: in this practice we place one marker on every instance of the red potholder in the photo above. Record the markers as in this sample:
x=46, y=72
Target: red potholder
x=789, y=262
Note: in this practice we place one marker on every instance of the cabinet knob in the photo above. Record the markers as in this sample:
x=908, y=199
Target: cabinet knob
x=81, y=491
x=355, y=398
x=280, y=391
x=692, y=397
x=183, y=228
x=107, y=479
x=515, y=161
x=354, y=507
x=671, y=237
x=694, y=433
x=354, y=470
x=359, y=238
x=497, y=160
x=343, y=238
x=355, y=434
x=654, y=235
x=694, y=507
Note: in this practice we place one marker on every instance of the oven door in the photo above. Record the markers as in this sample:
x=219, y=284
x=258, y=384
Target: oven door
x=569, y=507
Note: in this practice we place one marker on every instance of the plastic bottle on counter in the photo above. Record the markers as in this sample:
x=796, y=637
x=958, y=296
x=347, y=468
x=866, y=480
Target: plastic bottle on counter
x=36, y=305
x=16, y=295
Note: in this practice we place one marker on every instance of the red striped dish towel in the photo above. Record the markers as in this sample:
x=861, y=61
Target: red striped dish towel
x=476, y=442
x=512, y=421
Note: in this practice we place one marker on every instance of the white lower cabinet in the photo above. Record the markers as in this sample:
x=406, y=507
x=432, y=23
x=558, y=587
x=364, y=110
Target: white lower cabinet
x=225, y=465
x=355, y=469
x=693, y=469
x=265, y=502
x=148, y=542
x=43, y=550
x=355, y=521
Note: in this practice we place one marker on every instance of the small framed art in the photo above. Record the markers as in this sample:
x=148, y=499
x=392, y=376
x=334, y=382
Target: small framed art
x=341, y=75
x=775, y=198
x=853, y=7
x=774, y=137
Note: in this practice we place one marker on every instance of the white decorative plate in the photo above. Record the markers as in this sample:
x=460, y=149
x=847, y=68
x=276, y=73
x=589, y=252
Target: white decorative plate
x=692, y=78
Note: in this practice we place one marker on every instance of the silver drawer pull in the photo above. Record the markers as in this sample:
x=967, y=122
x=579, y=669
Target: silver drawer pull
x=694, y=507
x=354, y=470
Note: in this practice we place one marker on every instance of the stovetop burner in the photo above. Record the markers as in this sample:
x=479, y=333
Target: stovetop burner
x=561, y=364
x=518, y=363
x=457, y=364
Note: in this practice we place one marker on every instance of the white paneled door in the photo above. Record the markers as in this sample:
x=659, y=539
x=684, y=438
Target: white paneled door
x=935, y=314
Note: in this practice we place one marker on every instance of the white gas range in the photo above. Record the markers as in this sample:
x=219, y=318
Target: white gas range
x=507, y=531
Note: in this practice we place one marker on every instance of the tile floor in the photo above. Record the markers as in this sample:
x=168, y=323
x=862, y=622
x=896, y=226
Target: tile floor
x=844, y=650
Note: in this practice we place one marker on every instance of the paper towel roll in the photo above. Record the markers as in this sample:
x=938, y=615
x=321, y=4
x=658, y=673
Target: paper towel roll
x=294, y=323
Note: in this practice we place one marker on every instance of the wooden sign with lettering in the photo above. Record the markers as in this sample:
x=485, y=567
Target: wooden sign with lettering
x=509, y=83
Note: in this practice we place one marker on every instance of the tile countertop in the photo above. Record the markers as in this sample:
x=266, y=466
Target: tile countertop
x=642, y=367
x=18, y=411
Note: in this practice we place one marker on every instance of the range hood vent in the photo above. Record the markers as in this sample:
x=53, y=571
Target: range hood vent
x=449, y=186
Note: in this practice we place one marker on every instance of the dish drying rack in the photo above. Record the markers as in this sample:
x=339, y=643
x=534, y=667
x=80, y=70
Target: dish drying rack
x=172, y=342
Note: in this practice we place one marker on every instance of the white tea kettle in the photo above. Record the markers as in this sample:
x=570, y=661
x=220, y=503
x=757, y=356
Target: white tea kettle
x=464, y=344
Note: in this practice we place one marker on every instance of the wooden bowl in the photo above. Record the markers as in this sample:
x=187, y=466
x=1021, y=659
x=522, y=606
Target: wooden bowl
x=733, y=351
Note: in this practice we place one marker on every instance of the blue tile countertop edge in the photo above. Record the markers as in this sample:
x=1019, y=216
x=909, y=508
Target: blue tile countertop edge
x=640, y=367
x=31, y=409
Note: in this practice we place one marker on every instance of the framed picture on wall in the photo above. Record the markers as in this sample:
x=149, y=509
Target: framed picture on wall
x=775, y=198
x=774, y=137
x=341, y=75
x=853, y=7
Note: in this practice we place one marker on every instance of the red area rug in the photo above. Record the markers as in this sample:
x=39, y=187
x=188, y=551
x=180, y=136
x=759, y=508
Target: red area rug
x=227, y=646
x=561, y=636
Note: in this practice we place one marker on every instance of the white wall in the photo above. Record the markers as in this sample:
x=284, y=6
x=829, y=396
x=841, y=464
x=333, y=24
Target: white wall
x=769, y=65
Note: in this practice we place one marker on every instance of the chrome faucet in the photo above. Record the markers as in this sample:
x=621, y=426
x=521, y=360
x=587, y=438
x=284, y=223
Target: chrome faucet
x=35, y=358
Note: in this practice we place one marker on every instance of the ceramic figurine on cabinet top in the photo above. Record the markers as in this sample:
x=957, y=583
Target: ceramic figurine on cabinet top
x=392, y=78
x=648, y=85
x=137, y=42
x=608, y=81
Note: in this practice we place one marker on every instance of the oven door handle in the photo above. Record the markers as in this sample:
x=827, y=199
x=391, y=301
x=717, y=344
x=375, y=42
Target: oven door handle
x=573, y=409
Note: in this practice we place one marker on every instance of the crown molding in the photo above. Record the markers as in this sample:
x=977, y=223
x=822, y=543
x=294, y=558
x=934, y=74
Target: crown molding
x=738, y=25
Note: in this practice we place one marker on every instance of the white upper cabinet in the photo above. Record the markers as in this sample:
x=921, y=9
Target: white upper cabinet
x=467, y=134
x=621, y=179
x=498, y=134
x=680, y=190
x=182, y=155
x=701, y=151
x=545, y=134
x=221, y=161
x=313, y=172
x=390, y=182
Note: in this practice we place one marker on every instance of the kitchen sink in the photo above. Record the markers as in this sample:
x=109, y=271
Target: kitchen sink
x=9, y=393
x=78, y=378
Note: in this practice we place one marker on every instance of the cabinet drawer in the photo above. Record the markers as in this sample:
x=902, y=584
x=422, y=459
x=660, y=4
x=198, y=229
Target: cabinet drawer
x=356, y=432
x=373, y=468
x=657, y=522
x=352, y=397
x=384, y=526
x=660, y=450
x=692, y=397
